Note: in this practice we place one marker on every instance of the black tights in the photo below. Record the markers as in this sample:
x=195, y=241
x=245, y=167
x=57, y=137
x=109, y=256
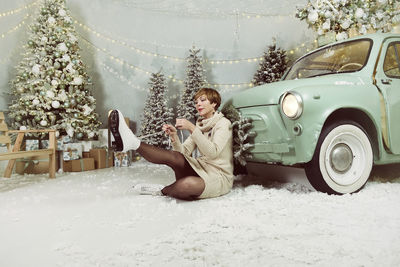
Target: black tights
x=188, y=184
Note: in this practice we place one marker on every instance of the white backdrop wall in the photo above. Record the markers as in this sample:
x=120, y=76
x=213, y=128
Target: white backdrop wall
x=123, y=41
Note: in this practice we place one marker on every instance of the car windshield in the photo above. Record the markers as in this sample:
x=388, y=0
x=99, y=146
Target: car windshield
x=344, y=57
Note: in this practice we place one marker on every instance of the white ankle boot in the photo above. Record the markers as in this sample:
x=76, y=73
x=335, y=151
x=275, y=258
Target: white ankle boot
x=124, y=139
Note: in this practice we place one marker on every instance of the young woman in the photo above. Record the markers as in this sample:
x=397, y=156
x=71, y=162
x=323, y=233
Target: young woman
x=209, y=175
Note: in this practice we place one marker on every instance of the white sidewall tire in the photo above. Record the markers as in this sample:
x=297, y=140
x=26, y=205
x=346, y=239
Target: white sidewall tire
x=358, y=174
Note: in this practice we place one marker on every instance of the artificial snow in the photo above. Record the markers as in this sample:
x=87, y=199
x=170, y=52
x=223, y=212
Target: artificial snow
x=95, y=218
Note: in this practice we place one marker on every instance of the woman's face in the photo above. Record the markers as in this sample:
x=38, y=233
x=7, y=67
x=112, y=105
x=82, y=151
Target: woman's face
x=204, y=107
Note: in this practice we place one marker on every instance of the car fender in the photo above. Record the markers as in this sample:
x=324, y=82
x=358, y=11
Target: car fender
x=320, y=104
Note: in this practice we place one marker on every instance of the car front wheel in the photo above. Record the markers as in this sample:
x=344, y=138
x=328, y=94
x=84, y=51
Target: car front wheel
x=342, y=160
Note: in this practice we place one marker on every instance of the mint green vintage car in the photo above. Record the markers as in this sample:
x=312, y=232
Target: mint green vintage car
x=336, y=112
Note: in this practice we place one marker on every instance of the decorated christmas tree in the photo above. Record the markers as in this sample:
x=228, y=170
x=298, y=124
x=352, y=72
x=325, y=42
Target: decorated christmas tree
x=156, y=113
x=52, y=88
x=194, y=81
x=272, y=67
x=350, y=17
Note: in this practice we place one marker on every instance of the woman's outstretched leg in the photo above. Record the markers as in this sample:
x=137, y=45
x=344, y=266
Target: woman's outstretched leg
x=173, y=159
x=125, y=140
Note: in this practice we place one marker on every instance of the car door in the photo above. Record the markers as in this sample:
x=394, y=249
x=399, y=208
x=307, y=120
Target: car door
x=388, y=81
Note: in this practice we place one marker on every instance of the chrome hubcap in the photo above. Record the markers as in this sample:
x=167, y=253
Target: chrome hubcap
x=341, y=158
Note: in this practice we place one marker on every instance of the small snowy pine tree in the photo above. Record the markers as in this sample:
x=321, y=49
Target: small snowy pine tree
x=52, y=88
x=272, y=67
x=156, y=113
x=194, y=81
x=241, y=137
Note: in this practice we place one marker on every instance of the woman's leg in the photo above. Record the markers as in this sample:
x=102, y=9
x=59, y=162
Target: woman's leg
x=186, y=188
x=188, y=185
x=125, y=140
x=173, y=159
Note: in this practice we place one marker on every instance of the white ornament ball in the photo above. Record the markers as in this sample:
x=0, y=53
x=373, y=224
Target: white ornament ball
x=78, y=80
x=50, y=94
x=312, y=16
x=359, y=13
x=66, y=58
x=55, y=104
x=43, y=123
x=36, y=69
x=51, y=20
x=328, y=14
x=72, y=38
x=345, y=24
x=91, y=134
x=44, y=39
x=62, y=47
x=62, y=12
x=54, y=83
x=22, y=128
x=35, y=101
x=341, y=36
x=57, y=133
x=326, y=25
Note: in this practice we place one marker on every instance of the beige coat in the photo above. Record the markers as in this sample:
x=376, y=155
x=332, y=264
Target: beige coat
x=213, y=138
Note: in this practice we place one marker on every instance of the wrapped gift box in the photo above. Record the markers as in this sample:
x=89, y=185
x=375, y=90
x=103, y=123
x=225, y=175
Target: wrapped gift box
x=45, y=144
x=88, y=145
x=72, y=151
x=103, y=137
x=32, y=144
x=122, y=159
x=35, y=165
x=102, y=158
x=78, y=165
x=66, y=139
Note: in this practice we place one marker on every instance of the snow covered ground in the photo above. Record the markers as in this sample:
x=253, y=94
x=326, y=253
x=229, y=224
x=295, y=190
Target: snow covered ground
x=95, y=219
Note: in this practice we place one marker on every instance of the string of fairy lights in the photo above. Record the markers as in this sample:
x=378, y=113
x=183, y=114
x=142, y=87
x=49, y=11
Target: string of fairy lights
x=15, y=28
x=121, y=61
x=178, y=8
x=18, y=9
x=305, y=46
x=120, y=41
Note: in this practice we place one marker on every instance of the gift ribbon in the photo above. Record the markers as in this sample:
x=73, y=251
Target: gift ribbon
x=82, y=164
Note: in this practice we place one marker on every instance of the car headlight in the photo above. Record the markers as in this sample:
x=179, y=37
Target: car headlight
x=291, y=104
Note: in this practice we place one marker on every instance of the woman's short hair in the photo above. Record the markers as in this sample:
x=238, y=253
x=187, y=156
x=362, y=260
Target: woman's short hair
x=212, y=95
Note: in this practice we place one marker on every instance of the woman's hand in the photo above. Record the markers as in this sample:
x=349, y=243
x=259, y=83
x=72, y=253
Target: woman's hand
x=184, y=124
x=170, y=131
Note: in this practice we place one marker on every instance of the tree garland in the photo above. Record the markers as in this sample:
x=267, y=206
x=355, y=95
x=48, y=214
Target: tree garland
x=344, y=16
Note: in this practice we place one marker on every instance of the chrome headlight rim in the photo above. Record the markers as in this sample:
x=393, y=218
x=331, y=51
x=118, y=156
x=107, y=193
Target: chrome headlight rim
x=299, y=104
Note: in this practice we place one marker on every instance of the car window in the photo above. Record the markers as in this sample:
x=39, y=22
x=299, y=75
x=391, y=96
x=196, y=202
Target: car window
x=349, y=56
x=391, y=65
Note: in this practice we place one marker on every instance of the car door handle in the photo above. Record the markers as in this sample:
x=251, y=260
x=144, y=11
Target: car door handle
x=386, y=81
